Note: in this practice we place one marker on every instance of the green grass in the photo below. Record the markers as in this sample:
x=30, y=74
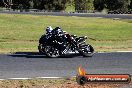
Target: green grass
x=22, y=32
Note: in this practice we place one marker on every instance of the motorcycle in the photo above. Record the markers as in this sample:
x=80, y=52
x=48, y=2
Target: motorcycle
x=54, y=46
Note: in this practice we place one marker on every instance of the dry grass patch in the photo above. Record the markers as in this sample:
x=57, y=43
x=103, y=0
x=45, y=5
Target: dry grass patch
x=55, y=83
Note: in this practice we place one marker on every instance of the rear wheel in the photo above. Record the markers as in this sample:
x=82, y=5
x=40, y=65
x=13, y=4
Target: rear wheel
x=86, y=50
x=51, y=51
x=41, y=49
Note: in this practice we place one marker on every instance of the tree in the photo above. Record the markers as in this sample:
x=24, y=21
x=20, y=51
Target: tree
x=21, y=4
x=89, y=5
x=6, y=3
x=99, y=4
x=60, y=4
x=50, y=4
x=130, y=6
x=121, y=5
x=83, y=5
x=70, y=6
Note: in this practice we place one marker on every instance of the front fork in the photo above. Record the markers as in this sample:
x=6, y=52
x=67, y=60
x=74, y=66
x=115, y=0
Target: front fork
x=77, y=43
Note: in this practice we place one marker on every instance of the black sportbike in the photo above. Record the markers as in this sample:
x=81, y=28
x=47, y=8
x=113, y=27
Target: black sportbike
x=53, y=45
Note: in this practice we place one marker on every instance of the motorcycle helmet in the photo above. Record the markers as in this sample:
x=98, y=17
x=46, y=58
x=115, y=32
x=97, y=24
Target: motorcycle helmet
x=58, y=31
x=49, y=29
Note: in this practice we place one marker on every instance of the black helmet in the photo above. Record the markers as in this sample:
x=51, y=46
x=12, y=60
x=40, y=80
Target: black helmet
x=58, y=31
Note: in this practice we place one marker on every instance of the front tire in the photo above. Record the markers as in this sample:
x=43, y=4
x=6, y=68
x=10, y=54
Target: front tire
x=86, y=51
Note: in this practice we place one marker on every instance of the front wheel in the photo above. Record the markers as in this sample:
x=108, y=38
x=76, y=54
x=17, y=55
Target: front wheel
x=86, y=50
x=51, y=51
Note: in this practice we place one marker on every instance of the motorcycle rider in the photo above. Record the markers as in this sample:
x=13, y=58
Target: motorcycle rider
x=59, y=35
x=65, y=37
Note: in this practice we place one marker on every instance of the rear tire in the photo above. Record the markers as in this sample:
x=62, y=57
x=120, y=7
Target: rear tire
x=51, y=52
x=40, y=48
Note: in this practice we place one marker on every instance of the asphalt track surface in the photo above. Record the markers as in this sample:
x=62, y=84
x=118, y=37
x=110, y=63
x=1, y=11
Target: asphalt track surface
x=31, y=64
x=98, y=15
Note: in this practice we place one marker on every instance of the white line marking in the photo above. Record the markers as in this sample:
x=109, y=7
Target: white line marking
x=55, y=77
x=18, y=78
x=38, y=78
x=115, y=52
x=49, y=77
x=2, y=79
x=124, y=51
x=107, y=52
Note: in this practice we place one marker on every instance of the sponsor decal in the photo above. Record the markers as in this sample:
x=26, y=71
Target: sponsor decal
x=83, y=78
